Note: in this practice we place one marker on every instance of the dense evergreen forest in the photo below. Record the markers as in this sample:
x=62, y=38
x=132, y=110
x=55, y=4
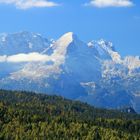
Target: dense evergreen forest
x=30, y=116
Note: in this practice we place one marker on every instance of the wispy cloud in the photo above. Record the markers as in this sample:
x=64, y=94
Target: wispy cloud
x=110, y=3
x=26, y=4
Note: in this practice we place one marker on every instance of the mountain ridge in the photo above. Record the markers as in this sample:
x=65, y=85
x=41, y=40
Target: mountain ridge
x=92, y=72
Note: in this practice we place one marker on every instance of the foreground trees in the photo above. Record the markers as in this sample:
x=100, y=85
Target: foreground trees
x=25, y=116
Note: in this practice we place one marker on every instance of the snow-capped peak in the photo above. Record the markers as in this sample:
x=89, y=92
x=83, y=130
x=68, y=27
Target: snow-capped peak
x=63, y=43
x=65, y=40
x=106, y=45
x=105, y=50
x=22, y=42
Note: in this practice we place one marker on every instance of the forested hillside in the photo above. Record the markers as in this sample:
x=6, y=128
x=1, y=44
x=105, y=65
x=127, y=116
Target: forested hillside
x=30, y=116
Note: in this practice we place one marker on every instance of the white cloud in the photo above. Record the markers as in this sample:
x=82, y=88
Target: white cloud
x=110, y=3
x=3, y=58
x=31, y=57
x=35, y=64
x=26, y=4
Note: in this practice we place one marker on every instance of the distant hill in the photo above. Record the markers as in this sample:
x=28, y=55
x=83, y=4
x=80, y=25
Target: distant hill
x=26, y=115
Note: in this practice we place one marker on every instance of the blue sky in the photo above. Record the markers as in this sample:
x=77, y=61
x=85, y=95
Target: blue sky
x=119, y=24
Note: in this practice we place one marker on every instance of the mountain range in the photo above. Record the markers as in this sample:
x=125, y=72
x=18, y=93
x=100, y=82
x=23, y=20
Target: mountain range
x=92, y=72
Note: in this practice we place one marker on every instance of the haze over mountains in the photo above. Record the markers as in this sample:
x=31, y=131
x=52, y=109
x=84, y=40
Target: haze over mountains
x=92, y=72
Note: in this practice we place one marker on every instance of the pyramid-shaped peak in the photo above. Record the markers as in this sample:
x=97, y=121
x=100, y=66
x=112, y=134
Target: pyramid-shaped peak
x=66, y=39
x=69, y=36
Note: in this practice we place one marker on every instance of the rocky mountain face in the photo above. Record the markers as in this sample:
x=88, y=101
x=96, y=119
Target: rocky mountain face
x=92, y=72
